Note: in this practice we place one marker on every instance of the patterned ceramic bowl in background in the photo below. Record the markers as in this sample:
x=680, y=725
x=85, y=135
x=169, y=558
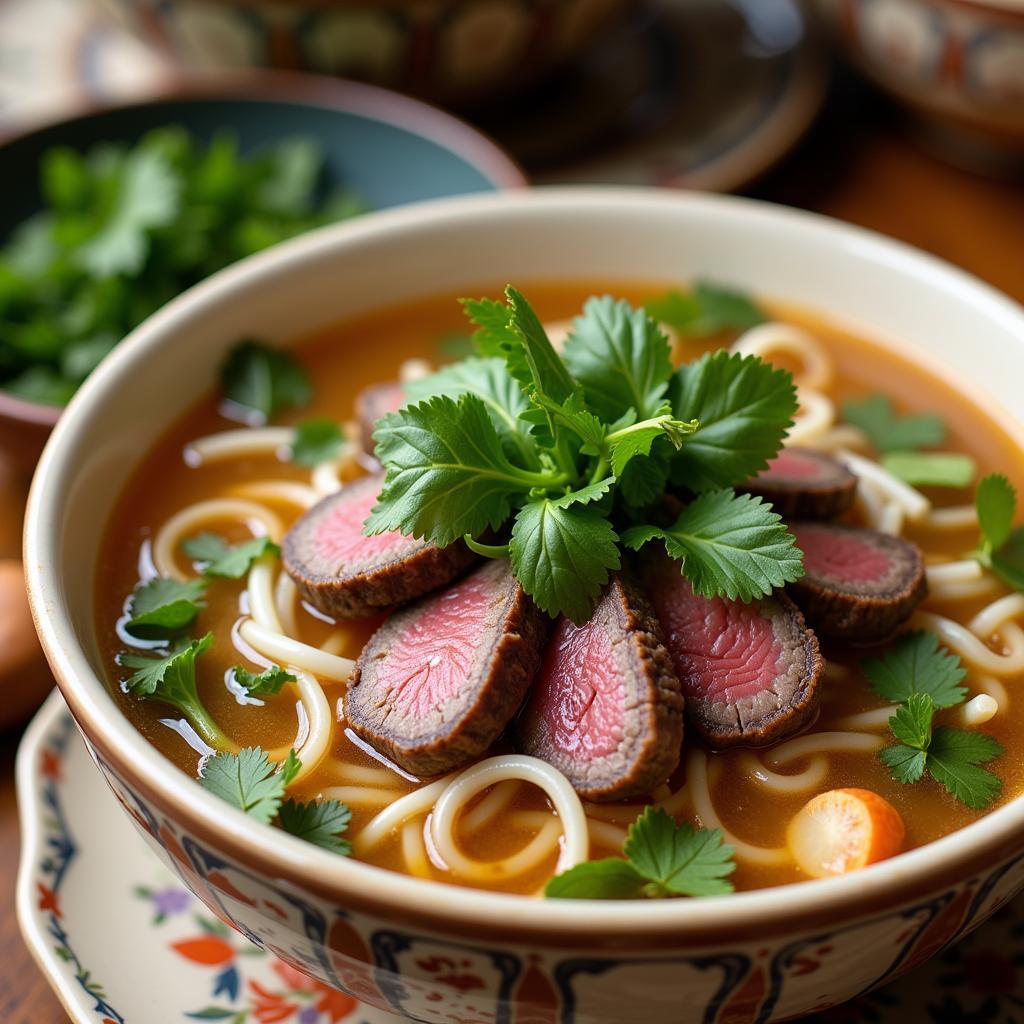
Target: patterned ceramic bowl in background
x=960, y=63
x=447, y=50
x=434, y=953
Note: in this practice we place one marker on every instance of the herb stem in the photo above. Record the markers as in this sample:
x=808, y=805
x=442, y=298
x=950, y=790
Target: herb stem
x=600, y=469
x=667, y=422
x=487, y=550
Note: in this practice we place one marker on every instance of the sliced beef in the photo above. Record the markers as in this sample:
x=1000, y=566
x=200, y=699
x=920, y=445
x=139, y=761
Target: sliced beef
x=606, y=708
x=348, y=575
x=858, y=585
x=805, y=484
x=749, y=672
x=374, y=402
x=439, y=681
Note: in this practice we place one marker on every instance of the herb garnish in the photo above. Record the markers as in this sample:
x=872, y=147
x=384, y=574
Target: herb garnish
x=265, y=684
x=223, y=560
x=171, y=678
x=317, y=441
x=916, y=664
x=889, y=432
x=662, y=859
x=258, y=382
x=249, y=781
x=931, y=469
x=708, y=309
x=1002, y=547
x=950, y=756
x=163, y=607
x=560, y=455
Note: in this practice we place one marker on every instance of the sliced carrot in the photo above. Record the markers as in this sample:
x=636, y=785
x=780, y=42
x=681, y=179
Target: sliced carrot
x=844, y=830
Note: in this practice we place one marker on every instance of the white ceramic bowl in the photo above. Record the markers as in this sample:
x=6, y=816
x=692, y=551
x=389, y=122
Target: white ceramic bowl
x=758, y=956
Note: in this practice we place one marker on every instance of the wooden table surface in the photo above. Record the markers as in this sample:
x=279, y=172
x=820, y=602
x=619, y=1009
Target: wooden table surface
x=859, y=165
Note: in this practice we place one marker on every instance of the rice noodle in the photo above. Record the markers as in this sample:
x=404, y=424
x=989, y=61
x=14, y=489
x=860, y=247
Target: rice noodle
x=288, y=492
x=876, y=718
x=571, y=818
x=978, y=710
x=891, y=519
x=285, y=596
x=697, y=782
x=815, y=416
x=413, y=805
x=358, y=795
x=914, y=504
x=821, y=743
x=812, y=776
x=286, y=651
x=991, y=619
x=970, y=590
x=326, y=478
x=238, y=444
x=493, y=804
x=258, y=519
x=953, y=517
x=603, y=833
x=972, y=650
x=414, y=850
x=842, y=435
x=817, y=367
x=985, y=683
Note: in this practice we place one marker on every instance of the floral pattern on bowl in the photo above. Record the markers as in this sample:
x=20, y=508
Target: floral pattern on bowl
x=205, y=970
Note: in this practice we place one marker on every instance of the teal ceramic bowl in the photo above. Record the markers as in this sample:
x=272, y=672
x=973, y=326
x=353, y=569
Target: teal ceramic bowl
x=388, y=148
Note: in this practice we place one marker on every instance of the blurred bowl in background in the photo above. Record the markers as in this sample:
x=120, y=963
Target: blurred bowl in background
x=451, y=51
x=958, y=63
x=389, y=149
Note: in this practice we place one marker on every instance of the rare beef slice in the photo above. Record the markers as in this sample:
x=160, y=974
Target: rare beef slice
x=439, y=681
x=606, y=709
x=348, y=575
x=858, y=585
x=802, y=483
x=749, y=672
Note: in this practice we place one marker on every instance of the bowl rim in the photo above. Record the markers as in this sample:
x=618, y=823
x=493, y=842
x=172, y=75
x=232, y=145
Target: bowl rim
x=389, y=895
x=259, y=85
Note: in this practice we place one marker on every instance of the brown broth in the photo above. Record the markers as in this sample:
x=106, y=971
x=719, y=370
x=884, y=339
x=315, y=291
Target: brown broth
x=347, y=357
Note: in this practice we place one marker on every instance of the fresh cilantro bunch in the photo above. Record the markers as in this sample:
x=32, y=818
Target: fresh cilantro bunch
x=661, y=859
x=923, y=678
x=558, y=460
x=126, y=228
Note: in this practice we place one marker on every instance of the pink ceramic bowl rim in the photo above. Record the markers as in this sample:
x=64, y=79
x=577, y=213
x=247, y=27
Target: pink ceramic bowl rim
x=341, y=94
x=360, y=886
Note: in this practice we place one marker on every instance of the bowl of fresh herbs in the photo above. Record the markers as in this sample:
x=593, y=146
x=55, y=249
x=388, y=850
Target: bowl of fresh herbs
x=115, y=211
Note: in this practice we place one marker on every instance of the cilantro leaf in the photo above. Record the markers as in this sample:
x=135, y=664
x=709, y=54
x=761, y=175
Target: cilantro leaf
x=621, y=357
x=561, y=552
x=290, y=767
x=265, y=684
x=258, y=382
x=1008, y=561
x=953, y=759
x=246, y=780
x=931, y=469
x=637, y=438
x=744, y=407
x=447, y=473
x=225, y=560
x=996, y=502
x=916, y=664
x=490, y=381
x=320, y=822
x=171, y=678
x=492, y=320
x=317, y=441
x=708, y=309
x=662, y=859
x=889, y=432
x=729, y=544
x=163, y=606
x=950, y=756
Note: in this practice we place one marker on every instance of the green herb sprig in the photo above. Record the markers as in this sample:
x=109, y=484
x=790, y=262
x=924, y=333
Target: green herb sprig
x=1001, y=546
x=561, y=458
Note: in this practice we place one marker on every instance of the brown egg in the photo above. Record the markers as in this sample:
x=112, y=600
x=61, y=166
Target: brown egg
x=24, y=675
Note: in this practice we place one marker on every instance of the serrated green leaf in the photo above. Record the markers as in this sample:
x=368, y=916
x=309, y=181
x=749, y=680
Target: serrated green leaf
x=953, y=759
x=744, y=407
x=996, y=502
x=223, y=560
x=162, y=607
x=728, y=544
x=906, y=764
x=259, y=381
x=317, y=441
x=608, y=879
x=561, y=554
x=585, y=495
x=912, y=722
x=637, y=439
x=492, y=320
x=267, y=683
x=320, y=822
x=549, y=375
x=708, y=309
x=246, y=780
x=644, y=480
x=620, y=356
x=1008, y=561
x=446, y=471
x=290, y=767
x=889, y=432
x=916, y=664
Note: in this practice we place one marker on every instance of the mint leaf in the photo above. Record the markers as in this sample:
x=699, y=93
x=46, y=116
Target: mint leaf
x=265, y=684
x=996, y=502
x=729, y=545
x=621, y=357
x=608, y=879
x=889, y=432
x=320, y=822
x=931, y=469
x=561, y=553
x=223, y=560
x=162, y=607
x=246, y=780
x=953, y=759
x=708, y=309
x=317, y=441
x=744, y=407
x=258, y=382
x=679, y=860
x=447, y=473
x=916, y=664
